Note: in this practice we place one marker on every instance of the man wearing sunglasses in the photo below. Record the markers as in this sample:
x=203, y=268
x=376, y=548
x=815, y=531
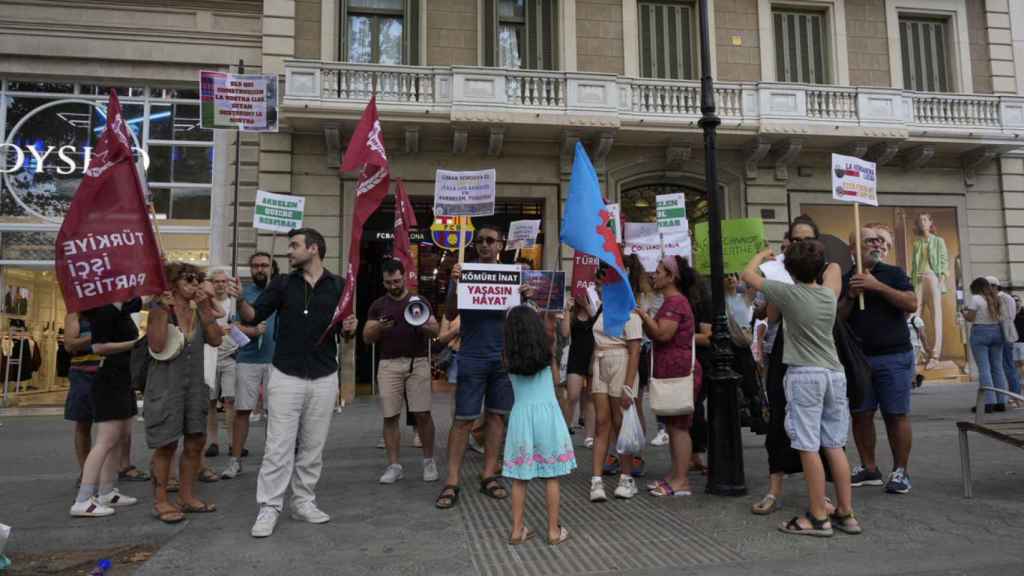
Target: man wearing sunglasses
x=885, y=339
x=483, y=384
x=303, y=383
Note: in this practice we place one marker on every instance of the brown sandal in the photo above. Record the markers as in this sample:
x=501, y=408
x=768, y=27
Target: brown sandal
x=203, y=508
x=526, y=535
x=563, y=535
x=208, y=476
x=169, y=515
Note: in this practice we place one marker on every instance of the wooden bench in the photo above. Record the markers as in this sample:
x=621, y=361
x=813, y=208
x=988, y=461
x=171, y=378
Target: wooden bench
x=1007, y=431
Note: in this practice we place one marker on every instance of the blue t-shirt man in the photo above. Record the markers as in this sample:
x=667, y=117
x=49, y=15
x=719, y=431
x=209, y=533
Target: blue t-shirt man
x=254, y=359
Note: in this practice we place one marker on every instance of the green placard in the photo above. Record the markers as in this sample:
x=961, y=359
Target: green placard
x=741, y=240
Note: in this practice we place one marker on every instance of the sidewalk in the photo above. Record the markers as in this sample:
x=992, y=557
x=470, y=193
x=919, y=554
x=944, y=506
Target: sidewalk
x=396, y=529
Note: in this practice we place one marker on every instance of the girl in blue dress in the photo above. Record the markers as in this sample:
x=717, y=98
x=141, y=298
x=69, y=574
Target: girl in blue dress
x=537, y=444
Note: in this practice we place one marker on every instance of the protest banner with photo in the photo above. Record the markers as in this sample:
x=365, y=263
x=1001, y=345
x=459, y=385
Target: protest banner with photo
x=854, y=180
x=107, y=249
x=643, y=239
x=742, y=239
x=677, y=245
x=672, y=213
x=278, y=212
x=465, y=193
x=548, y=288
x=246, y=102
x=584, y=268
x=522, y=234
x=489, y=286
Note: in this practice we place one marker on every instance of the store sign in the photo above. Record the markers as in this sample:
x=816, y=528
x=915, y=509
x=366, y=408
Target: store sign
x=45, y=154
x=386, y=235
x=489, y=286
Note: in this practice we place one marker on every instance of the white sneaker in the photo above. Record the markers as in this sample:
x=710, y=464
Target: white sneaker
x=381, y=443
x=416, y=442
x=265, y=522
x=430, y=471
x=588, y=442
x=233, y=470
x=660, y=439
x=626, y=488
x=114, y=498
x=597, y=490
x=91, y=508
x=310, y=513
x=393, y=473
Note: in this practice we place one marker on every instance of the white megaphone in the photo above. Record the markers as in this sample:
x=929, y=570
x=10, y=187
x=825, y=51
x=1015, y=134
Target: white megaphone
x=416, y=311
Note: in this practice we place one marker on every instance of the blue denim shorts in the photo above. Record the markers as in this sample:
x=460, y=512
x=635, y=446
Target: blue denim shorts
x=78, y=403
x=482, y=382
x=817, y=412
x=892, y=379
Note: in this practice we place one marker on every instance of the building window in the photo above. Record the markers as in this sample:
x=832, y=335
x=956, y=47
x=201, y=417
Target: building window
x=924, y=47
x=667, y=34
x=381, y=31
x=521, y=34
x=801, y=46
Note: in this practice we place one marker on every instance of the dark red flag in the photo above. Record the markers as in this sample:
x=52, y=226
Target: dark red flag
x=366, y=153
x=106, y=248
x=405, y=222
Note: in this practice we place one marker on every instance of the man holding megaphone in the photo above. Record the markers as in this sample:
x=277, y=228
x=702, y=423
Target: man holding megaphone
x=401, y=326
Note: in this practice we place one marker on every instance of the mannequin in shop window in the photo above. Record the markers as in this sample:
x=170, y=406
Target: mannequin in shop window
x=20, y=354
x=929, y=271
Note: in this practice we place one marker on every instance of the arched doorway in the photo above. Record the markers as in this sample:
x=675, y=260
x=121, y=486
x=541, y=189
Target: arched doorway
x=639, y=201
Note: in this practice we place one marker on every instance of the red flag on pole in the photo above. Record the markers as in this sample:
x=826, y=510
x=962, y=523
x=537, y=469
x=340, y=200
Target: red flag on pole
x=405, y=221
x=106, y=248
x=366, y=153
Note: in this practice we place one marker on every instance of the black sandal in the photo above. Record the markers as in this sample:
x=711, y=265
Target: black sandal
x=492, y=486
x=846, y=523
x=817, y=527
x=448, y=497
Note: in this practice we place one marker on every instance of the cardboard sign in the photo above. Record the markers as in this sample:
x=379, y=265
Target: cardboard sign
x=584, y=268
x=465, y=193
x=246, y=102
x=278, y=212
x=522, y=234
x=548, y=288
x=672, y=213
x=677, y=245
x=643, y=240
x=615, y=220
x=854, y=180
x=741, y=240
x=489, y=286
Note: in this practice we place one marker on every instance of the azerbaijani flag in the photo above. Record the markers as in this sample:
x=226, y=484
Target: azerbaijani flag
x=585, y=228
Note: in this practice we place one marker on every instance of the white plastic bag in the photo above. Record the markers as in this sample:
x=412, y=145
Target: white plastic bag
x=631, y=436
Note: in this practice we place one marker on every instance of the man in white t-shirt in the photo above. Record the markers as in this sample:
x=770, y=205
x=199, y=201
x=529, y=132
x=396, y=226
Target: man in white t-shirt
x=223, y=385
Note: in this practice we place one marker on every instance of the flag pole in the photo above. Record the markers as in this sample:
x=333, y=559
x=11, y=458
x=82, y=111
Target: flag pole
x=460, y=243
x=860, y=264
x=238, y=156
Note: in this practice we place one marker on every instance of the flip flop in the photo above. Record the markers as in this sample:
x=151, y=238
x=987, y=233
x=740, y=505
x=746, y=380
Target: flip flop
x=527, y=534
x=563, y=535
x=206, y=508
x=664, y=490
x=208, y=476
x=168, y=516
x=765, y=505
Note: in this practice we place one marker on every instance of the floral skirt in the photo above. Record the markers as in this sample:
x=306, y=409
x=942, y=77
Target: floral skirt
x=537, y=444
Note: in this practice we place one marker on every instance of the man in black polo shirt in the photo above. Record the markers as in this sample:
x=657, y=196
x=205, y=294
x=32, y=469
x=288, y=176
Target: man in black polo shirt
x=303, y=382
x=885, y=339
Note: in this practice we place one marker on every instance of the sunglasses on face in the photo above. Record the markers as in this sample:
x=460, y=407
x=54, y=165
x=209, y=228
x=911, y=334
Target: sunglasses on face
x=191, y=278
x=489, y=240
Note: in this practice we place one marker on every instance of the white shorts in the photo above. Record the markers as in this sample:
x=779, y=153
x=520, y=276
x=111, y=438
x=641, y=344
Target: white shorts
x=251, y=379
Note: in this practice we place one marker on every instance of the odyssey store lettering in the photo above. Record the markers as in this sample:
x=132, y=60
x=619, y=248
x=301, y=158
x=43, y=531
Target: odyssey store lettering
x=64, y=155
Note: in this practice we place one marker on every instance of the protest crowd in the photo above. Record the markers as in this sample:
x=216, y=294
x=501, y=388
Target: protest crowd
x=821, y=345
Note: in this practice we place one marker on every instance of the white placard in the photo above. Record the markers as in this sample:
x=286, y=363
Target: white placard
x=678, y=245
x=615, y=220
x=595, y=300
x=854, y=180
x=238, y=336
x=776, y=270
x=464, y=193
x=672, y=213
x=642, y=239
x=522, y=234
x=278, y=212
x=489, y=286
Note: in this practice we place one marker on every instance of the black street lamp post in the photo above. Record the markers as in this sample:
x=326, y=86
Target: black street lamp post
x=725, y=446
